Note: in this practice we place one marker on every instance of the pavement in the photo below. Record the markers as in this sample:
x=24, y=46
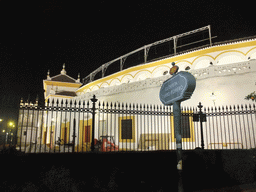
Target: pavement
x=237, y=188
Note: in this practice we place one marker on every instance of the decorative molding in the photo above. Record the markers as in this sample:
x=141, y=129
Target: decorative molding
x=244, y=47
x=209, y=72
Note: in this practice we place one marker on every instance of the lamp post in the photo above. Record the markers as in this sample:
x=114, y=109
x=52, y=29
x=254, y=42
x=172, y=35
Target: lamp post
x=200, y=117
x=9, y=133
x=2, y=132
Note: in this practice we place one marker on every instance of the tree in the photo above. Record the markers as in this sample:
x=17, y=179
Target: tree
x=251, y=96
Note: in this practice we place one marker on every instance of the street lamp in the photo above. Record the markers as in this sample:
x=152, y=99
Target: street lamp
x=2, y=133
x=10, y=134
x=11, y=124
x=200, y=117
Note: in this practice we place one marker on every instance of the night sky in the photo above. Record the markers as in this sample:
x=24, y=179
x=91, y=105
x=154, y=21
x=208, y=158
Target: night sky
x=41, y=35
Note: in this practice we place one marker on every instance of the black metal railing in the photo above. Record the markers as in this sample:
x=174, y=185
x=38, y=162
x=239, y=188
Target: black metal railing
x=79, y=126
x=8, y=120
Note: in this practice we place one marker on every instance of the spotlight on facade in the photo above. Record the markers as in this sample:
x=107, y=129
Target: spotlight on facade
x=165, y=73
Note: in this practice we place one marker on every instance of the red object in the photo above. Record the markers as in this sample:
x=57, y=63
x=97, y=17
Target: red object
x=174, y=69
x=108, y=146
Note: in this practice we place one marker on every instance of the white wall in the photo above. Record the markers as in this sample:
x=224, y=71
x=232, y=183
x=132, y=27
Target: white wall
x=228, y=90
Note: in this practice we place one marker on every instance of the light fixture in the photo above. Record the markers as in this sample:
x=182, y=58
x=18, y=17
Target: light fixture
x=187, y=68
x=165, y=73
x=213, y=98
x=11, y=124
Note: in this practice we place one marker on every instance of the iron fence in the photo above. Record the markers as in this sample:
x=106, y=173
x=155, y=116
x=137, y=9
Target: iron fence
x=79, y=126
x=8, y=120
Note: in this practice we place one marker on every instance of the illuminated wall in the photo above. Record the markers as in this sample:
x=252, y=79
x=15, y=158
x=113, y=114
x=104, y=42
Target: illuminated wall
x=222, y=71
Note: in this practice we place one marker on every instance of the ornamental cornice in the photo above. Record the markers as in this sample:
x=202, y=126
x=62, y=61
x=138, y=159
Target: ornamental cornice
x=200, y=74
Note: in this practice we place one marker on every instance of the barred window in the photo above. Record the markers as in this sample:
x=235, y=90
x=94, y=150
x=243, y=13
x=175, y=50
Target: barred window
x=127, y=129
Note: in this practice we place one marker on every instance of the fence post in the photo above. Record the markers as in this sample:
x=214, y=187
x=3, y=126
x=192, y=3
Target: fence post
x=94, y=100
x=74, y=135
x=200, y=106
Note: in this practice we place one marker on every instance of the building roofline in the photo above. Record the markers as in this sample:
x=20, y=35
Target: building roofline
x=224, y=45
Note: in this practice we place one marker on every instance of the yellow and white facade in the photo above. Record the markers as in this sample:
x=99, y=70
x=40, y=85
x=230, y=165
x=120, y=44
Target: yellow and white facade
x=60, y=86
x=225, y=73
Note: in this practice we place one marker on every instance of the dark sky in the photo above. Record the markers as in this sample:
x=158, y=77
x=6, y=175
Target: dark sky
x=39, y=35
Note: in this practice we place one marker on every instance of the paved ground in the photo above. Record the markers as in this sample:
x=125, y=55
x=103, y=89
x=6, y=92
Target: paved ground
x=238, y=188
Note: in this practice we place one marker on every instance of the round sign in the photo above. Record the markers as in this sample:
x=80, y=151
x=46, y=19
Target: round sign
x=174, y=69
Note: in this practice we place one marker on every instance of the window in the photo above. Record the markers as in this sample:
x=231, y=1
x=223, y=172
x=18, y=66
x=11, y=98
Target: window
x=165, y=73
x=126, y=129
x=45, y=137
x=126, y=132
x=103, y=128
x=187, y=127
x=87, y=134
